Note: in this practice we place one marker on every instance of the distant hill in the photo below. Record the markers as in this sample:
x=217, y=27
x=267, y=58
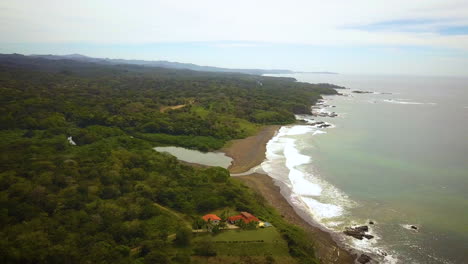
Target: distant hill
x=161, y=64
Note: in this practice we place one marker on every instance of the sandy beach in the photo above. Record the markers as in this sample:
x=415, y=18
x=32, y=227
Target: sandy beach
x=250, y=152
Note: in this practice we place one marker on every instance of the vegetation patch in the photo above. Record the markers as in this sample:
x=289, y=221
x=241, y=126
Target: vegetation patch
x=110, y=198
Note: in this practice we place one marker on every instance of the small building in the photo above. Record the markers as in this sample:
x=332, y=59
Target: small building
x=264, y=224
x=244, y=216
x=211, y=218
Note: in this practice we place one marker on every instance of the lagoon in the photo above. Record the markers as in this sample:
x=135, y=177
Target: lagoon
x=193, y=156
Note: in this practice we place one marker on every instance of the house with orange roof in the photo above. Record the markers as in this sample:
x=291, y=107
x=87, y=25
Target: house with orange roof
x=211, y=218
x=244, y=216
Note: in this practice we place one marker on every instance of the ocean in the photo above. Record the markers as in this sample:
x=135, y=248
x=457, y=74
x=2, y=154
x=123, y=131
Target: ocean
x=397, y=157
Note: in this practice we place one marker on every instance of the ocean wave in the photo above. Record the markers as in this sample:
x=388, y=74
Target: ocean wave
x=306, y=118
x=298, y=130
x=406, y=102
x=319, y=132
x=323, y=210
x=313, y=196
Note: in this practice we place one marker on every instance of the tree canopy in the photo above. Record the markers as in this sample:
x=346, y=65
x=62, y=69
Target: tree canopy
x=110, y=197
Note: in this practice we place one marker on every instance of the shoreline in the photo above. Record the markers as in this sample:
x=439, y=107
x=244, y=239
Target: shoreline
x=250, y=152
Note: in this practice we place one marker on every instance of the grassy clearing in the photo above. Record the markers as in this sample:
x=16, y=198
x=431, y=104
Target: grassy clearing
x=266, y=234
x=200, y=111
x=259, y=242
x=242, y=259
x=248, y=127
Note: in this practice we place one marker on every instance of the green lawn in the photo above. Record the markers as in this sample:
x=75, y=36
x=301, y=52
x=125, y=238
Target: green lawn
x=266, y=234
x=200, y=111
x=259, y=242
x=248, y=127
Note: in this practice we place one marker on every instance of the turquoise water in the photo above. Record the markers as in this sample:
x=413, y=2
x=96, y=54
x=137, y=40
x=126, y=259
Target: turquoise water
x=397, y=159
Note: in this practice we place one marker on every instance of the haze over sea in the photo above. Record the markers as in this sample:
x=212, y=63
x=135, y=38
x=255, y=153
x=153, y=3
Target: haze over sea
x=397, y=156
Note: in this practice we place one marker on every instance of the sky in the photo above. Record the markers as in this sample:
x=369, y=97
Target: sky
x=417, y=37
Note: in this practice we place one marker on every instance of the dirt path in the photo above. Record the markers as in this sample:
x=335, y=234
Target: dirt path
x=176, y=214
x=165, y=108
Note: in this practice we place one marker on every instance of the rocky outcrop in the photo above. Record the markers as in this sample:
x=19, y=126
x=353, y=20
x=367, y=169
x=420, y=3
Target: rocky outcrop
x=361, y=92
x=364, y=259
x=325, y=114
x=358, y=232
x=317, y=123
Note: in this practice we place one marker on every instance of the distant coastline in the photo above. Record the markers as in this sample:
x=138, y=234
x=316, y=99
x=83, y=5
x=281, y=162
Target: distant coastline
x=163, y=64
x=319, y=72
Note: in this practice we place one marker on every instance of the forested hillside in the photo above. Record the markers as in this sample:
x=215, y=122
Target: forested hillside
x=110, y=198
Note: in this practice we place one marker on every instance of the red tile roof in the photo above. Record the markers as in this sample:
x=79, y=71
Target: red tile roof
x=210, y=217
x=247, y=215
x=244, y=216
x=235, y=218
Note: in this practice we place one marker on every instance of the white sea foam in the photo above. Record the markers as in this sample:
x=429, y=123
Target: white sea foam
x=307, y=118
x=298, y=130
x=406, y=102
x=409, y=227
x=371, y=246
x=323, y=210
x=319, y=132
x=306, y=191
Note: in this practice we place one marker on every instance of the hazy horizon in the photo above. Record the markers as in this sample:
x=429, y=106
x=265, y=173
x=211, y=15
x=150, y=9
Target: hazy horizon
x=362, y=37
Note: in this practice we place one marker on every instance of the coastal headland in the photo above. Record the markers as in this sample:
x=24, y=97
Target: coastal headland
x=250, y=152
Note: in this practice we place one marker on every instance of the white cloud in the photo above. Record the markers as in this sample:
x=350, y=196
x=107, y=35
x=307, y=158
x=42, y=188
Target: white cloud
x=305, y=22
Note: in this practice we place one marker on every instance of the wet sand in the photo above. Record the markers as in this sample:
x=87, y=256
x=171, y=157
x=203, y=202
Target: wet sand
x=250, y=152
x=326, y=248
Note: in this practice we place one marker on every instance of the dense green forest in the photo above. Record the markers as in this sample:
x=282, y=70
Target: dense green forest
x=110, y=198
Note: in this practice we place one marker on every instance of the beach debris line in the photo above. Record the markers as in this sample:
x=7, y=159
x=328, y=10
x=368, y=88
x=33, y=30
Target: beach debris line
x=358, y=232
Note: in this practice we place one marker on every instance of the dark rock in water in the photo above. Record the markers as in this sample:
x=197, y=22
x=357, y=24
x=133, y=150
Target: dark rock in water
x=371, y=222
x=362, y=228
x=364, y=259
x=317, y=123
x=324, y=126
x=358, y=232
x=414, y=227
x=361, y=92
